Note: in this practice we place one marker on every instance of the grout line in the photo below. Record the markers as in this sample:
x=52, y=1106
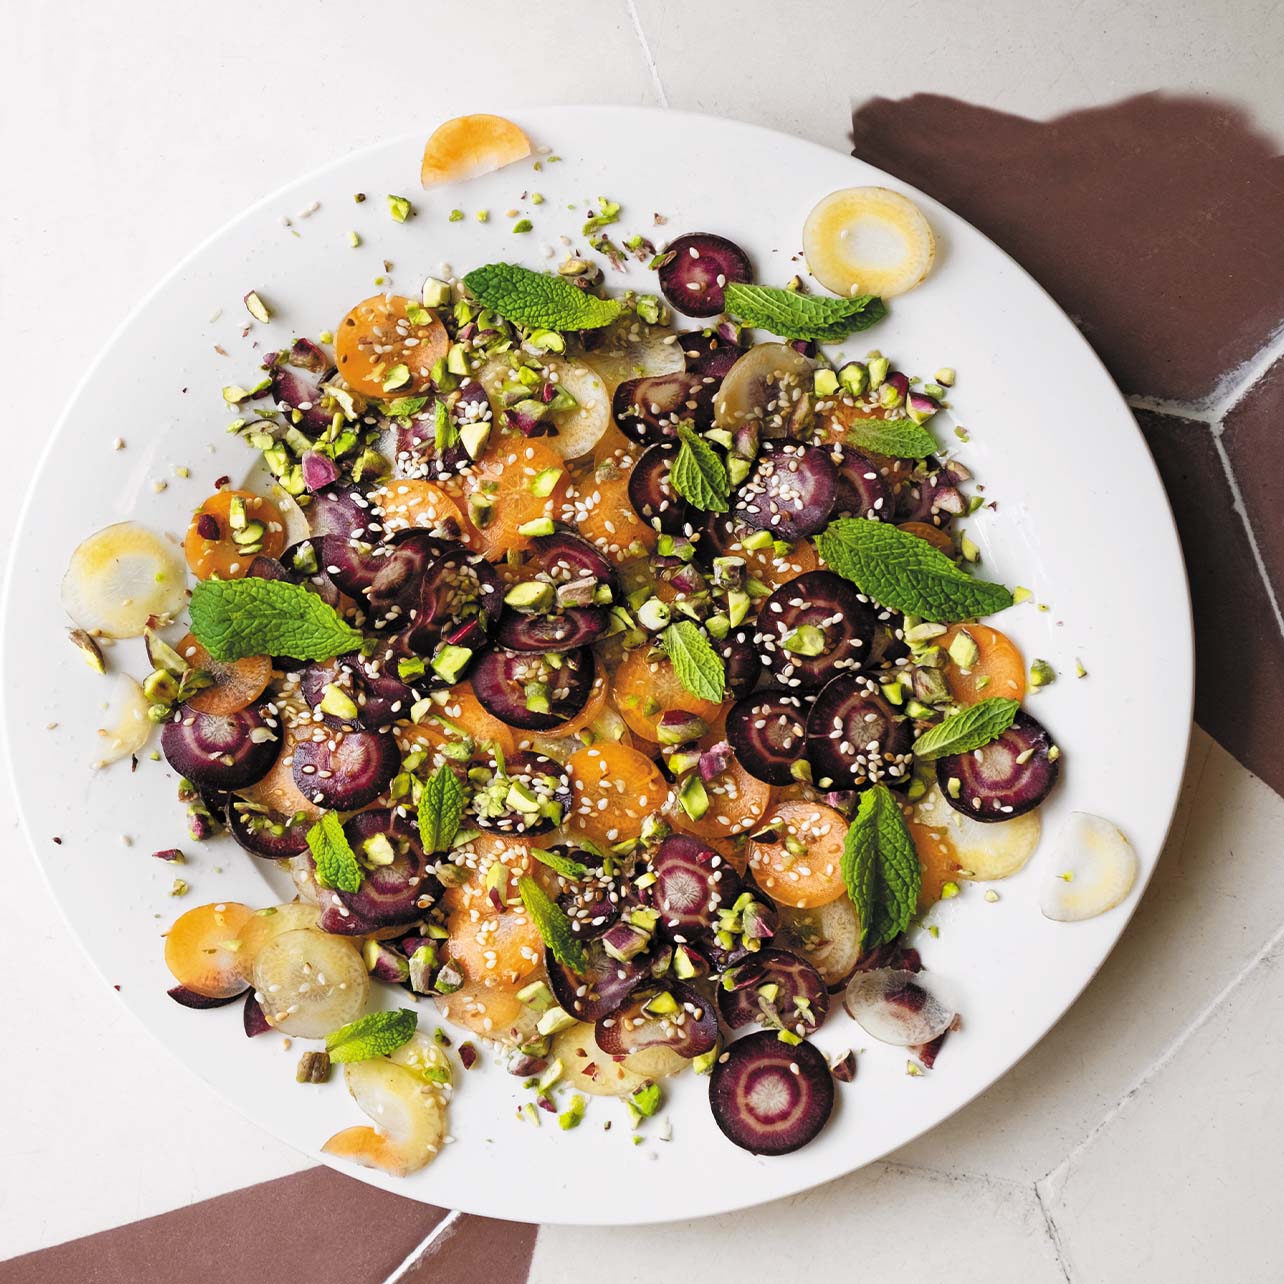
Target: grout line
x=1233, y=385
x=1052, y=1182
x=636, y=19
x=1237, y=503
x=1193, y=410
x=420, y=1253
x=1054, y=1236
x=954, y=1176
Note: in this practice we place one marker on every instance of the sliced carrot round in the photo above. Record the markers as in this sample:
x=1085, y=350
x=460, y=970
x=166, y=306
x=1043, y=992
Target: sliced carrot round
x=495, y=949
x=200, y=949
x=464, y=711
x=518, y=480
x=237, y=683
x=469, y=146
x=614, y=788
x=601, y=510
x=803, y=868
x=938, y=859
x=209, y=546
x=592, y=710
x=774, y=569
x=423, y=505
x=490, y=1011
x=382, y=353
x=998, y=671
x=932, y=535
x=477, y=857
x=646, y=687
x=278, y=789
x=737, y=802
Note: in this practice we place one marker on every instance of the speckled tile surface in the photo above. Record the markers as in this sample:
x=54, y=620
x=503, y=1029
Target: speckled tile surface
x=1123, y=155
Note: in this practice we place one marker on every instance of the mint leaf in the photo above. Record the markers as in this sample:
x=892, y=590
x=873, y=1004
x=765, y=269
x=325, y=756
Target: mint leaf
x=560, y=864
x=900, y=438
x=802, y=316
x=903, y=572
x=553, y=925
x=698, y=666
x=880, y=868
x=336, y=864
x=969, y=729
x=235, y=618
x=539, y=301
x=441, y=807
x=698, y=473
x=403, y=407
x=374, y=1035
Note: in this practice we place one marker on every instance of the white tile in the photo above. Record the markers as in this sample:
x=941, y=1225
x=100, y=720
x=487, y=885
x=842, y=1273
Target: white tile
x=1008, y=55
x=886, y=1222
x=1216, y=898
x=1183, y=1184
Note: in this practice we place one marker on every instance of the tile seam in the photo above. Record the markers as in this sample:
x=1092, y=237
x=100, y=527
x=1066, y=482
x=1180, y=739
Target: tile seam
x=640, y=32
x=1052, y=1182
x=423, y=1250
x=1054, y=1236
x=1238, y=504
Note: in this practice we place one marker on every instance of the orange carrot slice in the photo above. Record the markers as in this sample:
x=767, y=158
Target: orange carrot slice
x=200, y=949
x=646, y=687
x=932, y=535
x=614, y=788
x=380, y=352
x=737, y=802
x=803, y=868
x=209, y=547
x=513, y=484
x=469, y=146
x=999, y=670
x=403, y=504
x=237, y=683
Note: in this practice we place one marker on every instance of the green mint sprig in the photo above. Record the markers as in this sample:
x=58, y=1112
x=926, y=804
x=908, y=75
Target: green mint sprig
x=441, y=808
x=370, y=1036
x=880, y=868
x=233, y=619
x=899, y=438
x=559, y=864
x=335, y=860
x=901, y=571
x=698, y=666
x=968, y=729
x=802, y=316
x=699, y=474
x=553, y=925
x=539, y=301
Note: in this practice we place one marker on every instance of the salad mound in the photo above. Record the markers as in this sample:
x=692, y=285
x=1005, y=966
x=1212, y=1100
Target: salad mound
x=616, y=686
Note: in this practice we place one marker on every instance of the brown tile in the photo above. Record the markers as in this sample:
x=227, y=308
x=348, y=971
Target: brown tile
x=1254, y=441
x=1239, y=650
x=316, y=1227
x=1155, y=221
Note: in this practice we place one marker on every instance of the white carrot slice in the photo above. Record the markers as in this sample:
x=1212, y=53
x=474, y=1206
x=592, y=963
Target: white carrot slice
x=119, y=577
x=309, y=983
x=469, y=146
x=984, y=850
x=125, y=725
x=586, y=1068
x=410, y=1117
x=1093, y=867
x=868, y=240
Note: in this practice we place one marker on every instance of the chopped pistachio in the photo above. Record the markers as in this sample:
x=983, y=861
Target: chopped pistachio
x=963, y=650
x=991, y=895
x=522, y=225
x=877, y=368
x=314, y=1067
x=400, y=208
x=913, y=1070
x=450, y=662
x=825, y=383
x=1020, y=595
x=255, y=306
x=949, y=891
x=653, y=614
x=537, y=996
x=1041, y=674
x=969, y=550
x=530, y=595
x=540, y=526
x=693, y=798
x=92, y=651
x=354, y=239
x=338, y=702
x=1079, y=670
x=553, y=1020
x=483, y=216
x=946, y=375
x=179, y=887
x=570, y=1118
x=807, y=640
x=456, y=216
x=397, y=377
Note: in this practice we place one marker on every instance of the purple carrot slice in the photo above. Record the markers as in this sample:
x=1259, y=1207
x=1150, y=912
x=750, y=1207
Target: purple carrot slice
x=701, y=267
x=651, y=492
x=529, y=794
x=190, y=998
x=768, y=1097
x=815, y=627
x=892, y=1005
x=649, y=409
x=299, y=388
x=343, y=511
x=252, y=1019
x=579, y=626
x=565, y=557
x=776, y=989
x=692, y=883
x=352, y=564
x=267, y=833
x=604, y=985
x=862, y=490
x=1007, y=777
x=930, y=494
x=459, y=586
x=526, y=689
x=669, y=1015
x=791, y=491
x=356, y=771
x=709, y=353
x=401, y=890
x=741, y=662
x=228, y=751
x=855, y=738
x=768, y=731
x=393, y=593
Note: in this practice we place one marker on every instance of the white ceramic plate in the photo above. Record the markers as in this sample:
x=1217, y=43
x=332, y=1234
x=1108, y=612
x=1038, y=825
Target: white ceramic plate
x=1081, y=519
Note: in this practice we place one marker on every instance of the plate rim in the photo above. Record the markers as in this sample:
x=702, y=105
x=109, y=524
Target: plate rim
x=11, y=589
